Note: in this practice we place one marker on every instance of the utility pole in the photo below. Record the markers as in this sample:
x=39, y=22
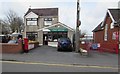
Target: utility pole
x=77, y=34
x=25, y=25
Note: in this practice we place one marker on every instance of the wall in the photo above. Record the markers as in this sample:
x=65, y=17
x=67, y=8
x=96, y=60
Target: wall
x=110, y=31
x=40, y=37
x=98, y=37
x=41, y=22
x=11, y=48
x=55, y=20
x=39, y=26
x=109, y=47
x=31, y=28
x=70, y=34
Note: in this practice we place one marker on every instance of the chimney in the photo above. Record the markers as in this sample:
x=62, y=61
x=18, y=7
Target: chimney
x=29, y=7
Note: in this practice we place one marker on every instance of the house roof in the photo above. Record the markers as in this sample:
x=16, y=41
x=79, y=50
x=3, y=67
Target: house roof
x=59, y=23
x=98, y=28
x=115, y=14
x=44, y=11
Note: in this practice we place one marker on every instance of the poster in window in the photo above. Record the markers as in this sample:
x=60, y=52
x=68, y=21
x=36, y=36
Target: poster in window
x=115, y=36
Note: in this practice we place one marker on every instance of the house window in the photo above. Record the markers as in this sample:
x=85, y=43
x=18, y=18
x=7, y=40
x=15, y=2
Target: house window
x=106, y=33
x=31, y=21
x=112, y=25
x=114, y=36
x=48, y=21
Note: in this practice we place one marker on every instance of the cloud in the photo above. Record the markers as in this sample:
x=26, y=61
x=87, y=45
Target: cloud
x=22, y=7
x=68, y=16
x=99, y=0
x=91, y=16
x=38, y=0
x=1, y=10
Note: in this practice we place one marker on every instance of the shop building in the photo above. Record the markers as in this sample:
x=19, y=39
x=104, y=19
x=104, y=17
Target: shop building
x=43, y=24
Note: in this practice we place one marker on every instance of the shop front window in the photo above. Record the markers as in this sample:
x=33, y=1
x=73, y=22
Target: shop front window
x=32, y=36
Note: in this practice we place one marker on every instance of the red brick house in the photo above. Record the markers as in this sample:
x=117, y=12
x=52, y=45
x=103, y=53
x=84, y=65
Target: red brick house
x=107, y=33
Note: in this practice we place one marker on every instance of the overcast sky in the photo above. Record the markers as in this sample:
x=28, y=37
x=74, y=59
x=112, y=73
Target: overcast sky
x=91, y=14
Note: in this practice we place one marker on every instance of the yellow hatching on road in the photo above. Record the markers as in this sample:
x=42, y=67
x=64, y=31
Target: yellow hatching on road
x=60, y=65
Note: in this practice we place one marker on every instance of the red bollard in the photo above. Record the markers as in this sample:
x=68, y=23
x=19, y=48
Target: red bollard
x=26, y=44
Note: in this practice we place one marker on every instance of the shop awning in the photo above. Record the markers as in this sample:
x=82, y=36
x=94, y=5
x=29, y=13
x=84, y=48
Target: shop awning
x=58, y=29
x=46, y=30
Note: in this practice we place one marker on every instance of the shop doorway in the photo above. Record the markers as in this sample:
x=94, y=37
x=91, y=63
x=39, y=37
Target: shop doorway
x=45, y=39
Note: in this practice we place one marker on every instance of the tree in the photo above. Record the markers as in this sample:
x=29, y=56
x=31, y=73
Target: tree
x=15, y=22
x=4, y=27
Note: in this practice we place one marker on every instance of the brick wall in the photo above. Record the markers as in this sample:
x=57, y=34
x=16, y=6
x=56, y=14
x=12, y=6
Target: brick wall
x=11, y=48
x=109, y=47
x=98, y=37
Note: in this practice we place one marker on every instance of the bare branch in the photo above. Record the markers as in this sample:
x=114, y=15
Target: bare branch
x=13, y=20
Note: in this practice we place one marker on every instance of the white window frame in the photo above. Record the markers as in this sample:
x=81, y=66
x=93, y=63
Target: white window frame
x=106, y=33
x=114, y=36
x=32, y=21
x=112, y=25
x=48, y=21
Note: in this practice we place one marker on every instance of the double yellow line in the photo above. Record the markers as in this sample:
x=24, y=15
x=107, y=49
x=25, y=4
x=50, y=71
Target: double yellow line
x=59, y=65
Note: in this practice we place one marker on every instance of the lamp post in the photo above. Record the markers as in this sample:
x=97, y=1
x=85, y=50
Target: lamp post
x=77, y=34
